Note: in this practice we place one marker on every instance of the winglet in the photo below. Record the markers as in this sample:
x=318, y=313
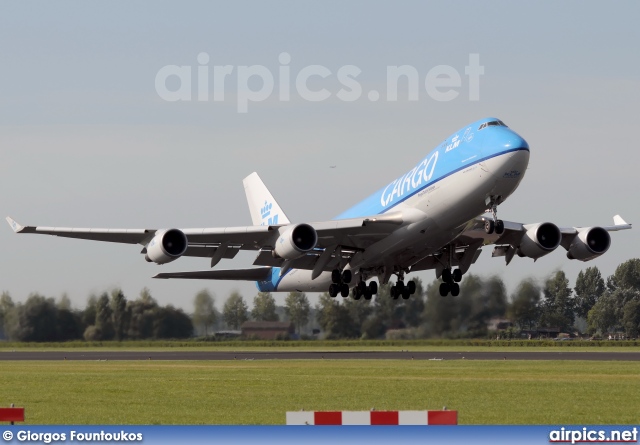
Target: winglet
x=14, y=225
x=618, y=221
x=619, y=224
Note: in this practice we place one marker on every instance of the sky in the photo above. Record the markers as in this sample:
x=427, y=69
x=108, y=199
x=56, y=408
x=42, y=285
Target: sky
x=87, y=138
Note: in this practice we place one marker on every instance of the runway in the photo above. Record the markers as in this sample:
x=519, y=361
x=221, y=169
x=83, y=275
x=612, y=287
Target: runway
x=301, y=355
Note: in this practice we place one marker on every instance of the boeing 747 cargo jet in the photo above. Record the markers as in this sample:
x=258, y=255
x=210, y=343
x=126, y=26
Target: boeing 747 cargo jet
x=429, y=218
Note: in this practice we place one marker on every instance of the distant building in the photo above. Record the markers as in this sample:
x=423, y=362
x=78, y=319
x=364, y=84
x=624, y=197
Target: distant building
x=551, y=332
x=499, y=324
x=228, y=334
x=267, y=330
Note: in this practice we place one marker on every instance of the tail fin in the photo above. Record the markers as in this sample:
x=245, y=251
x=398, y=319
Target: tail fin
x=263, y=207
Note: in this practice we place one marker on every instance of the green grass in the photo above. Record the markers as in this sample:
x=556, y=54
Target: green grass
x=260, y=392
x=331, y=345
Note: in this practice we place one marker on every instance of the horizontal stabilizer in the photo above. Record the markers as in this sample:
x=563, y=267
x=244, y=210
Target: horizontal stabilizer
x=253, y=274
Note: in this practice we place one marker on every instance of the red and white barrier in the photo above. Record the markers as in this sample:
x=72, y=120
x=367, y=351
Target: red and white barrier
x=372, y=418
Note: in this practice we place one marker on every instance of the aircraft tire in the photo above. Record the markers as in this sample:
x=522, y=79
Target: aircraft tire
x=356, y=293
x=444, y=289
x=499, y=227
x=335, y=276
x=411, y=286
x=457, y=275
x=489, y=226
x=367, y=294
x=333, y=290
x=373, y=288
x=446, y=276
x=344, y=290
x=346, y=276
x=406, y=294
x=394, y=292
x=455, y=289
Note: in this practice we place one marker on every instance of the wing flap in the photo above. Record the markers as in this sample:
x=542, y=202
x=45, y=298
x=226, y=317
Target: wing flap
x=431, y=262
x=205, y=251
x=252, y=274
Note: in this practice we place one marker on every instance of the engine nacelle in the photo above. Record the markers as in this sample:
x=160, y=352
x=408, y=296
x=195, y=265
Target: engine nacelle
x=294, y=241
x=166, y=246
x=589, y=244
x=539, y=240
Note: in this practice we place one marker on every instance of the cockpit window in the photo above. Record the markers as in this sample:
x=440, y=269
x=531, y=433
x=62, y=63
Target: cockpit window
x=491, y=124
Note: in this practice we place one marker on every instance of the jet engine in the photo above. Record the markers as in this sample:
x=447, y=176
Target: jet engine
x=294, y=241
x=589, y=244
x=166, y=246
x=539, y=240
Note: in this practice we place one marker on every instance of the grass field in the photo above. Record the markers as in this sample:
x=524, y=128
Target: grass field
x=260, y=392
x=332, y=345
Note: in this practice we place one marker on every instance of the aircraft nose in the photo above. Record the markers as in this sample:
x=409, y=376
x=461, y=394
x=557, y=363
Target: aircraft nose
x=512, y=159
x=513, y=141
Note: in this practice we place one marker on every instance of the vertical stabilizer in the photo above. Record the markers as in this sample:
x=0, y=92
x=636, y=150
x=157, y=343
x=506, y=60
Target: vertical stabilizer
x=265, y=211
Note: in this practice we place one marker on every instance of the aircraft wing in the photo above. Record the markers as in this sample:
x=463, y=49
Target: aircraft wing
x=508, y=243
x=350, y=234
x=129, y=236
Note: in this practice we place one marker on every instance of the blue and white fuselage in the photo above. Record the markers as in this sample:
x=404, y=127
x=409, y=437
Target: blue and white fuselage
x=437, y=198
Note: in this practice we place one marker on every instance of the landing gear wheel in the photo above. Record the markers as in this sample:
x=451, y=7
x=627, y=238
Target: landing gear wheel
x=333, y=290
x=446, y=275
x=362, y=286
x=444, y=289
x=367, y=294
x=405, y=294
x=373, y=288
x=411, y=286
x=400, y=287
x=394, y=292
x=499, y=227
x=335, y=276
x=346, y=276
x=455, y=289
x=457, y=275
x=344, y=290
x=356, y=293
x=489, y=226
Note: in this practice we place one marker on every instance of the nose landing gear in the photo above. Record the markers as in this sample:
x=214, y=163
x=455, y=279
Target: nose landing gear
x=496, y=225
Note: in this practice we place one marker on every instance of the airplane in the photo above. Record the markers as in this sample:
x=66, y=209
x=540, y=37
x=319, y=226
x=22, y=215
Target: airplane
x=437, y=216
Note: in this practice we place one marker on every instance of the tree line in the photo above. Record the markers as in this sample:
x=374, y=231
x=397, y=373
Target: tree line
x=594, y=305
x=106, y=317
x=111, y=316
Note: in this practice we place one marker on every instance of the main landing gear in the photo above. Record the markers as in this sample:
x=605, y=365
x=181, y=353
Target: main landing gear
x=402, y=290
x=450, y=282
x=364, y=290
x=341, y=282
x=496, y=225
